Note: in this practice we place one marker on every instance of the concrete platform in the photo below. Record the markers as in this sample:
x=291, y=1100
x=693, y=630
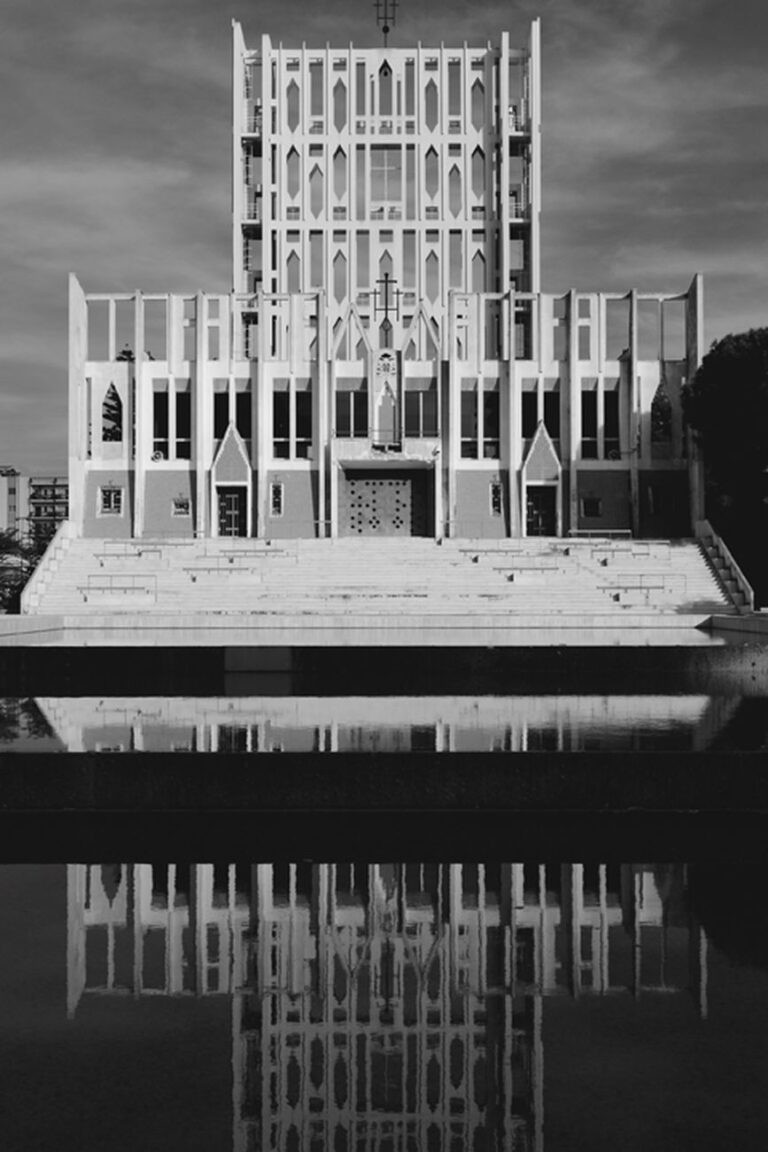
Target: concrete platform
x=340, y=630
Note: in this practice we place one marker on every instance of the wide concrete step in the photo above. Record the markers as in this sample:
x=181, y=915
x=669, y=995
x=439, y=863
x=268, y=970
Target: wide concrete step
x=388, y=576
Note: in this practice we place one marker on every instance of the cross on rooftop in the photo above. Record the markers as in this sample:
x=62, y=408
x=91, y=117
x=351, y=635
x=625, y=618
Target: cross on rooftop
x=385, y=15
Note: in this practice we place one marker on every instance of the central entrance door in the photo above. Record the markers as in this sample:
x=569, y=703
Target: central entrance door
x=541, y=510
x=385, y=504
x=232, y=511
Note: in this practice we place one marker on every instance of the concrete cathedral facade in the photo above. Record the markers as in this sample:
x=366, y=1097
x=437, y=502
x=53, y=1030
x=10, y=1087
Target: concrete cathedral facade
x=386, y=363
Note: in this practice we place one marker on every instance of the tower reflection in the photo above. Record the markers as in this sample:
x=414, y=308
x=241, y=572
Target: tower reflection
x=385, y=1006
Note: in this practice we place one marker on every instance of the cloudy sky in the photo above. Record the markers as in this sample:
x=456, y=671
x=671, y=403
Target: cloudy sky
x=115, y=140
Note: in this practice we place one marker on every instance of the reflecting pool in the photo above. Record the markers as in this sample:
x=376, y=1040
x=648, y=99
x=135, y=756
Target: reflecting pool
x=383, y=1006
x=384, y=724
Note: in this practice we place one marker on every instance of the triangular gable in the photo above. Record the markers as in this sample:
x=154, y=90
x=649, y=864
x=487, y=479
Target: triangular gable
x=422, y=320
x=231, y=464
x=542, y=462
x=352, y=325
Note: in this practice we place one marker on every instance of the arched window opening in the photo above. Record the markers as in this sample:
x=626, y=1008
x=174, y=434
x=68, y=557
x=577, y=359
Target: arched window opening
x=112, y=417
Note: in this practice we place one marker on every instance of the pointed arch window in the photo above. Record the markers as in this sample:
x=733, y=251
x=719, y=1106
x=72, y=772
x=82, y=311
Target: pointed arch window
x=316, y=183
x=292, y=169
x=385, y=90
x=431, y=172
x=430, y=105
x=293, y=106
x=433, y=276
x=339, y=173
x=339, y=277
x=478, y=105
x=478, y=172
x=454, y=190
x=112, y=417
x=339, y=105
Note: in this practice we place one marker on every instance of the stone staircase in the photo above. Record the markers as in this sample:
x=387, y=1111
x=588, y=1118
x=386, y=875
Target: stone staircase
x=381, y=579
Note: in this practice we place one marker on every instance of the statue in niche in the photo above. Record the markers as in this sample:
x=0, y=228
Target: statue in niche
x=387, y=417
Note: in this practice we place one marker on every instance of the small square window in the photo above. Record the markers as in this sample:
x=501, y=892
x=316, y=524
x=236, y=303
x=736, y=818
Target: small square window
x=180, y=506
x=591, y=507
x=276, y=499
x=110, y=501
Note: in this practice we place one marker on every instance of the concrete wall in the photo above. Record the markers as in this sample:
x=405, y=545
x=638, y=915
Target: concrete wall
x=160, y=489
x=300, y=504
x=668, y=511
x=111, y=527
x=473, y=516
x=612, y=489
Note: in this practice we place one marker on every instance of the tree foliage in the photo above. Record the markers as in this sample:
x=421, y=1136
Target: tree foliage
x=18, y=560
x=726, y=404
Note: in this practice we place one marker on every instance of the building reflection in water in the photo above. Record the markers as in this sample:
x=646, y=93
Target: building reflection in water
x=390, y=1006
x=388, y=724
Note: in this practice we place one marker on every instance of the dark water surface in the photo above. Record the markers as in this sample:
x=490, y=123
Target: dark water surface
x=321, y=998
x=383, y=1006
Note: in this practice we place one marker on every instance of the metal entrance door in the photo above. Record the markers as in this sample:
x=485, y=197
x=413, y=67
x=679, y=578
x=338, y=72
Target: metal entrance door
x=541, y=510
x=232, y=511
x=391, y=505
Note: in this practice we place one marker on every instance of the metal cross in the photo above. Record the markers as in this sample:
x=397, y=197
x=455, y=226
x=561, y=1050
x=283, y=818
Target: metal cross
x=385, y=294
x=385, y=15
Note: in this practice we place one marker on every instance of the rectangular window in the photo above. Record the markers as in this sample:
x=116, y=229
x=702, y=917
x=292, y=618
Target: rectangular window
x=529, y=414
x=303, y=424
x=469, y=424
x=276, y=499
x=220, y=414
x=243, y=414
x=344, y=414
x=491, y=425
x=183, y=425
x=611, y=423
x=421, y=408
x=160, y=425
x=180, y=506
x=110, y=501
x=352, y=414
x=591, y=507
x=552, y=414
x=281, y=425
x=589, y=425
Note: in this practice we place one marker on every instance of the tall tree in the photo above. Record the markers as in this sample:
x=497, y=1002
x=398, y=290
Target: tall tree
x=726, y=404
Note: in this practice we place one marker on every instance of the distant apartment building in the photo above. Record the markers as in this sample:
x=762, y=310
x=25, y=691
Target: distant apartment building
x=386, y=362
x=32, y=507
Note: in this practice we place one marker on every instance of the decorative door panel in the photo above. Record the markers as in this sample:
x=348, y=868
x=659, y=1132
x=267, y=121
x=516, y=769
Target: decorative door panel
x=392, y=505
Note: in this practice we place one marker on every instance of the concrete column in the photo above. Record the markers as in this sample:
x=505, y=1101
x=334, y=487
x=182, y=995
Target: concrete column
x=202, y=400
x=143, y=417
x=571, y=416
x=77, y=400
x=634, y=418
